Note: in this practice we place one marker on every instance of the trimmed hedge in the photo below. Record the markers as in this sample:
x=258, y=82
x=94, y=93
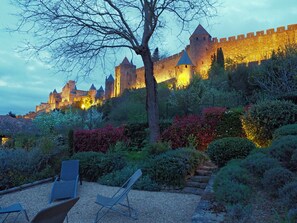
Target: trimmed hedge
x=276, y=178
x=231, y=184
x=284, y=149
x=223, y=150
x=258, y=163
x=285, y=130
x=97, y=140
x=264, y=118
x=172, y=167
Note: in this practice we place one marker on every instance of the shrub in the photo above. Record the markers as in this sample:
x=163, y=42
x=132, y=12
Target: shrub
x=172, y=167
x=97, y=140
x=223, y=150
x=181, y=129
x=157, y=148
x=230, y=124
x=276, y=178
x=292, y=214
x=284, y=149
x=288, y=195
x=285, y=130
x=88, y=165
x=94, y=164
x=264, y=118
x=230, y=193
x=18, y=166
x=258, y=163
x=238, y=213
x=136, y=133
x=117, y=178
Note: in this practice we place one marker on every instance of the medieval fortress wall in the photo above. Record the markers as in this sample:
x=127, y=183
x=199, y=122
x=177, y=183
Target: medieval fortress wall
x=256, y=46
x=252, y=47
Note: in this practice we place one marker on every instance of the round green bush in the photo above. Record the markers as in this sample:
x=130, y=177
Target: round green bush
x=223, y=150
x=276, y=178
x=284, y=149
x=288, y=195
x=285, y=130
x=264, y=118
x=173, y=166
x=88, y=164
x=292, y=214
x=258, y=163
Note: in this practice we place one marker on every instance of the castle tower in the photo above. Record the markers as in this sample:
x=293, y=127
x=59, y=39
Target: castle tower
x=184, y=70
x=100, y=94
x=125, y=76
x=200, y=48
x=92, y=92
x=109, y=87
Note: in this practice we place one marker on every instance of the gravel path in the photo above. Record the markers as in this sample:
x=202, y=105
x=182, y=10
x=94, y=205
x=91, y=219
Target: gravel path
x=153, y=207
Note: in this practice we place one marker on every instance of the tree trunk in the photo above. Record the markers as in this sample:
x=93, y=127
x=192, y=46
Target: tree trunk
x=151, y=97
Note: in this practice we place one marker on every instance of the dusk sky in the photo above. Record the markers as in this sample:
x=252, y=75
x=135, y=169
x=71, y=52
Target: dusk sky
x=25, y=83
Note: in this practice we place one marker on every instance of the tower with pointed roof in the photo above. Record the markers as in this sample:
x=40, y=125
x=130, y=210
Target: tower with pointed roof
x=109, y=87
x=184, y=70
x=125, y=75
x=200, y=48
x=92, y=92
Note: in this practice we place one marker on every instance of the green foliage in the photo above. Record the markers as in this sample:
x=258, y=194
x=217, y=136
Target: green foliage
x=89, y=165
x=277, y=76
x=288, y=195
x=136, y=133
x=25, y=141
x=284, y=149
x=238, y=213
x=230, y=124
x=95, y=164
x=285, y=130
x=119, y=177
x=71, y=141
x=223, y=150
x=157, y=148
x=186, y=101
x=258, y=163
x=276, y=178
x=231, y=184
x=172, y=167
x=18, y=166
x=264, y=118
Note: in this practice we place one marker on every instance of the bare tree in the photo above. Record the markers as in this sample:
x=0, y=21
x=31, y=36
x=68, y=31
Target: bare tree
x=76, y=33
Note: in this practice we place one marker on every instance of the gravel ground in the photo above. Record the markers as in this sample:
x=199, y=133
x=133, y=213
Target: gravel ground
x=152, y=206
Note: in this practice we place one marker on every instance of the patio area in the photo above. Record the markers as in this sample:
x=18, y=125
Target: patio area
x=152, y=206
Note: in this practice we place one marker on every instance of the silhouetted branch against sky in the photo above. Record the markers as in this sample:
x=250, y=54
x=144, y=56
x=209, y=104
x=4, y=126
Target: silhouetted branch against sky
x=77, y=34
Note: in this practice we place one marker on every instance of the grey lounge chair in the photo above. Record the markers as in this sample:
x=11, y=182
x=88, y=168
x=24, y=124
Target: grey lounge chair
x=14, y=208
x=65, y=186
x=118, y=198
x=56, y=213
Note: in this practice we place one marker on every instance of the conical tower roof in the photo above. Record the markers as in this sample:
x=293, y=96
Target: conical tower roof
x=92, y=87
x=200, y=31
x=125, y=61
x=110, y=78
x=184, y=59
x=101, y=89
x=54, y=92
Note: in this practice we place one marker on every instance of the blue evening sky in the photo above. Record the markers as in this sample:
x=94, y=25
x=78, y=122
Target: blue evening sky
x=25, y=82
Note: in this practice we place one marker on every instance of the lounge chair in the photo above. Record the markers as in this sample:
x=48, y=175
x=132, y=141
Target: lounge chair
x=118, y=198
x=56, y=213
x=65, y=186
x=14, y=208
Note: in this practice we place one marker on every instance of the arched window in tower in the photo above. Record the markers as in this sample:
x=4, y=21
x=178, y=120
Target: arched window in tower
x=202, y=62
x=197, y=38
x=204, y=38
x=186, y=66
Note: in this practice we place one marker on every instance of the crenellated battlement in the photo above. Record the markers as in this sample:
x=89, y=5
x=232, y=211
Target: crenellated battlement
x=249, y=35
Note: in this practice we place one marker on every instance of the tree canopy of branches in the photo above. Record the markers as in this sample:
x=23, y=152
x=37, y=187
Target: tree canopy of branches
x=278, y=75
x=78, y=33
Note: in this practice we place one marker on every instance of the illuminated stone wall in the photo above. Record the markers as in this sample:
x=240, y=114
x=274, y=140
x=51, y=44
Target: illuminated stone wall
x=256, y=46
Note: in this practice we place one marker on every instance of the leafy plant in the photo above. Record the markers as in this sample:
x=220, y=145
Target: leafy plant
x=262, y=119
x=288, y=194
x=285, y=130
x=223, y=150
x=276, y=178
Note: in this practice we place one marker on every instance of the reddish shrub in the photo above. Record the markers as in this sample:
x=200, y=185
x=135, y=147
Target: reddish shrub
x=98, y=140
x=203, y=128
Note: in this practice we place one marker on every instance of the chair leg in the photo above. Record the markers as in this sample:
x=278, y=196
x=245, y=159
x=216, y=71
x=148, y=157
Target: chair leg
x=26, y=215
